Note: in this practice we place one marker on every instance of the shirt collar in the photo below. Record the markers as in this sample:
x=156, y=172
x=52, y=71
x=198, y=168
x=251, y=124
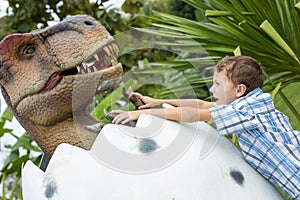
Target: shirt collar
x=255, y=92
x=252, y=94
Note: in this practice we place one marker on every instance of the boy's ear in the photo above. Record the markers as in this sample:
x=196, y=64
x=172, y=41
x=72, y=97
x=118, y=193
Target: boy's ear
x=240, y=90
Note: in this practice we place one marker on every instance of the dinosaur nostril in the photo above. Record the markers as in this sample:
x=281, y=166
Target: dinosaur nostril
x=89, y=23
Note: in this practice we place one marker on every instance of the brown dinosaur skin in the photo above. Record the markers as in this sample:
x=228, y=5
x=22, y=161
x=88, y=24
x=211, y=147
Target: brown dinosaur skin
x=44, y=89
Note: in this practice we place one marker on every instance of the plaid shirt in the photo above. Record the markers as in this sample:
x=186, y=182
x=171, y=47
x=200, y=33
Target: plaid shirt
x=268, y=142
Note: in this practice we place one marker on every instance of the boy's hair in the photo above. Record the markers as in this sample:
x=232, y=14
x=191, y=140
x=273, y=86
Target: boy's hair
x=242, y=70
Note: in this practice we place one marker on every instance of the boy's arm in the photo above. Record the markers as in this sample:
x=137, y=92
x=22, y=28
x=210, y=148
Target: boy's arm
x=194, y=103
x=184, y=114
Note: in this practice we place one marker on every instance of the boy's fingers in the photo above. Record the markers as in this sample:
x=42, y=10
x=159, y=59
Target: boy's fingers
x=117, y=111
x=144, y=106
x=121, y=118
x=116, y=120
x=125, y=121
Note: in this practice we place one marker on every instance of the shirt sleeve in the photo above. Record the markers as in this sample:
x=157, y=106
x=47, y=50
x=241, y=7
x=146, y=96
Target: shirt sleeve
x=229, y=120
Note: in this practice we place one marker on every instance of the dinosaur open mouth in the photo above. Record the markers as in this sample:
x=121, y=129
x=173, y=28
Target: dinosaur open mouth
x=104, y=58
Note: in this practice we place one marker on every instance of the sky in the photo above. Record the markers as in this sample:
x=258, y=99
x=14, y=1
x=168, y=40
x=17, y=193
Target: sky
x=3, y=6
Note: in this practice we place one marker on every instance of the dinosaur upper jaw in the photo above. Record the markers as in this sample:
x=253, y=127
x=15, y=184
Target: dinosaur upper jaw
x=104, y=59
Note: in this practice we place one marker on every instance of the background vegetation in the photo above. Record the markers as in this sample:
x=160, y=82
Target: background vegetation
x=268, y=30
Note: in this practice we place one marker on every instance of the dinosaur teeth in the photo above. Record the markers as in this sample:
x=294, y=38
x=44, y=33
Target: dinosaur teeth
x=115, y=48
x=110, y=49
x=106, y=49
x=96, y=57
x=89, y=70
x=84, y=65
x=78, y=69
x=102, y=59
x=94, y=68
x=114, y=62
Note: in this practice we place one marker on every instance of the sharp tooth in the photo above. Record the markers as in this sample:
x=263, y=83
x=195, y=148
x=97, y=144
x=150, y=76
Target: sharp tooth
x=116, y=49
x=84, y=65
x=113, y=62
x=89, y=70
x=106, y=50
x=110, y=48
x=96, y=57
x=95, y=68
x=78, y=68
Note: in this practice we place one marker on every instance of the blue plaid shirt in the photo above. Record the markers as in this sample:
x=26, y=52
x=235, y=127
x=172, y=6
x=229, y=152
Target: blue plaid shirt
x=268, y=142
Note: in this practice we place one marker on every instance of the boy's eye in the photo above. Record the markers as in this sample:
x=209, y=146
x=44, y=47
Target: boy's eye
x=217, y=83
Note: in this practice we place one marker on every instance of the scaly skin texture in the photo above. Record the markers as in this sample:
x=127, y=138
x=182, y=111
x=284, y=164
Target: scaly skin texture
x=46, y=82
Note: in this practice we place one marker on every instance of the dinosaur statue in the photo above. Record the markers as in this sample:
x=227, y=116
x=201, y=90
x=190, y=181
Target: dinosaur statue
x=48, y=78
x=41, y=71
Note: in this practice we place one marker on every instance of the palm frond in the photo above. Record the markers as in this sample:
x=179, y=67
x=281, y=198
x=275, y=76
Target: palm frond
x=267, y=30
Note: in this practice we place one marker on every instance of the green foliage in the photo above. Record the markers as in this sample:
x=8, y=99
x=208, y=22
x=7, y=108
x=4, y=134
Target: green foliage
x=22, y=150
x=291, y=93
x=25, y=16
x=6, y=116
x=110, y=101
x=170, y=79
x=145, y=7
x=182, y=9
x=266, y=30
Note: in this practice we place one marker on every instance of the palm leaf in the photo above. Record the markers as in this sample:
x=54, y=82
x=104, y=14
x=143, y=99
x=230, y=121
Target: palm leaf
x=267, y=30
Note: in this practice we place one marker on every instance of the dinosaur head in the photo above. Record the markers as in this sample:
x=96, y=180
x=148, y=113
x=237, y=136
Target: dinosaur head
x=48, y=74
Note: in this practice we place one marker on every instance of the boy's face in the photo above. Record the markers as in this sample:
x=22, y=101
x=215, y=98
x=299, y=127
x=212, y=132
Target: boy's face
x=223, y=89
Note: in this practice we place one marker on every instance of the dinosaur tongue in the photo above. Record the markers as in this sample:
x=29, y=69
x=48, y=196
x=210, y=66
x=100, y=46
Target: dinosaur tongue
x=52, y=82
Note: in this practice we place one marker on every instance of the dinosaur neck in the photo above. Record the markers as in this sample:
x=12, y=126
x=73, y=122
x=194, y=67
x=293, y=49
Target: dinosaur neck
x=72, y=130
x=69, y=130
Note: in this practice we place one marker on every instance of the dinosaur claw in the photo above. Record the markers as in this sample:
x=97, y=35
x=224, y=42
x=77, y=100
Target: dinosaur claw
x=108, y=115
x=96, y=128
x=137, y=102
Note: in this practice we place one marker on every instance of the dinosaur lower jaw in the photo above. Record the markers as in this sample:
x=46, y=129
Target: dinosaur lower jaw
x=103, y=59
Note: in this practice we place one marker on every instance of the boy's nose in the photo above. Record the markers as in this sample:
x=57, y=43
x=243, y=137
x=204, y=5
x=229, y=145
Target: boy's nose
x=211, y=89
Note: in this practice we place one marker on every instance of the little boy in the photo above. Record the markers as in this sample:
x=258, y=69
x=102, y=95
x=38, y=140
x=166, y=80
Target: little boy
x=268, y=142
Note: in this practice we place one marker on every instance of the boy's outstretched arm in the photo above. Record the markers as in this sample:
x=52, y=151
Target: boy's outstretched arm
x=195, y=103
x=184, y=114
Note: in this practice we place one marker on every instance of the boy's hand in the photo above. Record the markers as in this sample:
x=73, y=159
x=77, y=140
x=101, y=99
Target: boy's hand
x=124, y=117
x=149, y=102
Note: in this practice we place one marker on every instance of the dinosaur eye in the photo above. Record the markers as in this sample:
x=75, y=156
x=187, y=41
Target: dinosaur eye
x=27, y=52
x=30, y=50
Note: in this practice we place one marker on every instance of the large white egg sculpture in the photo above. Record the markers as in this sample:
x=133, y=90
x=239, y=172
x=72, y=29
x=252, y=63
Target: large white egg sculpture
x=156, y=160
